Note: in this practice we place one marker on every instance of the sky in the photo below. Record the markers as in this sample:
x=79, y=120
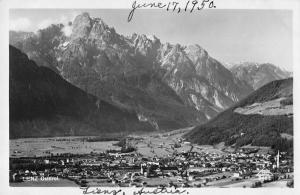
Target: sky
x=230, y=36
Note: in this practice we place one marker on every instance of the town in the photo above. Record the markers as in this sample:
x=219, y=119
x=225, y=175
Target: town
x=126, y=167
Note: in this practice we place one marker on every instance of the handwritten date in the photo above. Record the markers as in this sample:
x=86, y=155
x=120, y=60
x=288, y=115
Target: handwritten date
x=174, y=6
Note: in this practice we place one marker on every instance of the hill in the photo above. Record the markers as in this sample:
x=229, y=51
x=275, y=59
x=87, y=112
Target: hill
x=259, y=129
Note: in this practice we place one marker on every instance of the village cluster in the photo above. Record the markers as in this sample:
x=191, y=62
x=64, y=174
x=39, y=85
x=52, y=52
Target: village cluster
x=180, y=169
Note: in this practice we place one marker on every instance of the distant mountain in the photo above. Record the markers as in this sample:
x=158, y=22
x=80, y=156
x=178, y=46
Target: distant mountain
x=257, y=75
x=41, y=103
x=264, y=118
x=201, y=80
x=18, y=36
x=41, y=46
x=170, y=86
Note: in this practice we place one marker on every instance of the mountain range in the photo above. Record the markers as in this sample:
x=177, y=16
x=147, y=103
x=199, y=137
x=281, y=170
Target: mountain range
x=257, y=75
x=42, y=103
x=166, y=85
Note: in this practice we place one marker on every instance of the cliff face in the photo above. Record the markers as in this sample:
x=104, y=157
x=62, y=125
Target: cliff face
x=44, y=104
x=171, y=86
x=201, y=80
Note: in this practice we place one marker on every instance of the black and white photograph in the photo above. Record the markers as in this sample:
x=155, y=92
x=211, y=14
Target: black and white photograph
x=162, y=95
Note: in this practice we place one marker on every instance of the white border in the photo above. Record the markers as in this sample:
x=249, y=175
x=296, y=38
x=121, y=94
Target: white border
x=5, y=5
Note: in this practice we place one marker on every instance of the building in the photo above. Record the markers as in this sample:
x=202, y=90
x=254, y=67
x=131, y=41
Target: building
x=265, y=175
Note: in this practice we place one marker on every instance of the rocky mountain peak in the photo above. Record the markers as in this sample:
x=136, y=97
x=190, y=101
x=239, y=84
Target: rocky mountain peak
x=174, y=51
x=95, y=29
x=177, y=48
x=120, y=65
x=256, y=74
x=81, y=26
x=146, y=45
x=145, y=39
x=195, y=52
x=101, y=30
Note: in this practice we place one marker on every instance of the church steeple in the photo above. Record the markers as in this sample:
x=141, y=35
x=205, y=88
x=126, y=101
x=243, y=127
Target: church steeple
x=277, y=160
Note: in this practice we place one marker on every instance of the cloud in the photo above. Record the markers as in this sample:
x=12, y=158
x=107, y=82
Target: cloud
x=65, y=19
x=67, y=30
x=33, y=25
x=45, y=23
x=20, y=24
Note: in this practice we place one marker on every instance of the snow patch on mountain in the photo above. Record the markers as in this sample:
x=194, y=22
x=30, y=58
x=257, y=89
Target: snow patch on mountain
x=217, y=100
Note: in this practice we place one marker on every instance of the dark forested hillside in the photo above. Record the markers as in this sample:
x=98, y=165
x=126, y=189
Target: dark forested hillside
x=255, y=129
x=41, y=103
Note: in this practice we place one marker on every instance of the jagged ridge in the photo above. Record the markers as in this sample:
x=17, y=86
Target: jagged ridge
x=161, y=82
x=44, y=104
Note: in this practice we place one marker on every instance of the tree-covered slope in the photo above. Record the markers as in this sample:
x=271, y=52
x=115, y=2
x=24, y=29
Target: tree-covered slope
x=255, y=129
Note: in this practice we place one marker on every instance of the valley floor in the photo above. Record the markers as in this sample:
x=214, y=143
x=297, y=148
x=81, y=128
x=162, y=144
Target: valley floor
x=160, y=159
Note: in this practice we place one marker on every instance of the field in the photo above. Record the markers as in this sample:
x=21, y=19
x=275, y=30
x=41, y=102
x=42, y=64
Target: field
x=148, y=144
x=273, y=107
x=145, y=143
x=30, y=147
